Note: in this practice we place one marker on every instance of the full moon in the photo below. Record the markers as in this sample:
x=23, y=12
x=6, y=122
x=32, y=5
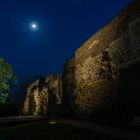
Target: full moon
x=34, y=26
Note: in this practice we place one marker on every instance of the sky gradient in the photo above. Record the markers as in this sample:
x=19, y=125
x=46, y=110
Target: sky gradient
x=63, y=25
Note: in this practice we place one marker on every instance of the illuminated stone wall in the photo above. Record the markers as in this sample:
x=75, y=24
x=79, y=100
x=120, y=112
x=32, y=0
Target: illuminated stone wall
x=69, y=87
x=105, y=66
x=103, y=78
x=44, y=96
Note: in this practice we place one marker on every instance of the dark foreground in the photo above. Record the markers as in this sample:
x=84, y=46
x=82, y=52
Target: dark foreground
x=44, y=130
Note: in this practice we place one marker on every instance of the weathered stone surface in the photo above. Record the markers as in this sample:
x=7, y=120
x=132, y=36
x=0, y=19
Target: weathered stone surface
x=69, y=87
x=100, y=62
x=103, y=78
x=44, y=96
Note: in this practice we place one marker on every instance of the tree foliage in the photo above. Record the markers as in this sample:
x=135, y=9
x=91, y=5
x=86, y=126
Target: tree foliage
x=6, y=79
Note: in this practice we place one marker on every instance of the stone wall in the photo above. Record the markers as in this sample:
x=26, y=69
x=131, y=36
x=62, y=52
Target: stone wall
x=44, y=96
x=103, y=78
x=69, y=87
x=104, y=63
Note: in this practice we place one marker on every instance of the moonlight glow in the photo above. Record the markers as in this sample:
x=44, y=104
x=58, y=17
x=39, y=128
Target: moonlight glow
x=34, y=26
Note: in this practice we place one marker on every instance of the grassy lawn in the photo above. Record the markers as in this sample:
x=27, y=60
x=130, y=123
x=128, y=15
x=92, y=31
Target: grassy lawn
x=46, y=131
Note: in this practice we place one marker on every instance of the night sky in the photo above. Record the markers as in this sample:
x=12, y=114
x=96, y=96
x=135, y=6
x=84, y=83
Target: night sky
x=62, y=26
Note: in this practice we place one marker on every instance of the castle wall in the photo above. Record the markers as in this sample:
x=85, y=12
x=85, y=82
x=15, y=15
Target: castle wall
x=102, y=61
x=69, y=87
x=102, y=79
x=43, y=96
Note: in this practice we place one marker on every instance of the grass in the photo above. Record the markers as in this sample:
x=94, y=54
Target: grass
x=49, y=131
